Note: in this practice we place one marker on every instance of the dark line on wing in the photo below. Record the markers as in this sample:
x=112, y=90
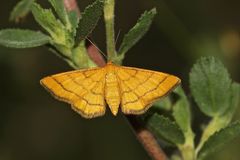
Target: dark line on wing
x=88, y=75
x=139, y=97
x=132, y=76
x=140, y=84
x=155, y=87
x=64, y=88
x=96, y=93
x=76, y=82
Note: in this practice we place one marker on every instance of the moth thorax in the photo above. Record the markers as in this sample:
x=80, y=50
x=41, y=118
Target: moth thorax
x=112, y=93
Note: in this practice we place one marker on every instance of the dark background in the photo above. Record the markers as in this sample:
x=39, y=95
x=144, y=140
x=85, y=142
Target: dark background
x=34, y=126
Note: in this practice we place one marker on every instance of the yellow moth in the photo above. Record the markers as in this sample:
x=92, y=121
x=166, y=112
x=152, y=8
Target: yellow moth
x=89, y=90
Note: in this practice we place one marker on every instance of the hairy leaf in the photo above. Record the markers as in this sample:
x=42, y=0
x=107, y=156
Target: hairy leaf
x=181, y=110
x=165, y=128
x=74, y=20
x=163, y=104
x=69, y=19
x=233, y=103
x=58, y=6
x=21, y=9
x=210, y=85
x=47, y=20
x=18, y=38
x=89, y=19
x=80, y=57
x=219, y=139
x=235, y=98
x=138, y=31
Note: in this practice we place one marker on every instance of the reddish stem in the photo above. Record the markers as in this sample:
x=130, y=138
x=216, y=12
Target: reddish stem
x=147, y=139
x=72, y=5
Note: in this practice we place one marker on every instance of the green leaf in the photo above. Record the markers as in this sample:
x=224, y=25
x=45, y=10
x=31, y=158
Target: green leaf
x=163, y=104
x=219, y=139
x=210, y=85
x=69, y=19
x=138, y=31
x=74, y=20
x=21, y=9
x=234, y=102
x=181, y=110
x=58, y=6
x=165, y=128
x=89, y=19
x=80, y=57
x=182, y=115
x=47, y=20
x=175, y=157
x=18, y=38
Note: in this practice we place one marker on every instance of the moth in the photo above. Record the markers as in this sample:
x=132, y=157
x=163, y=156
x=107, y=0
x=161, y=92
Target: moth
x=89, y=91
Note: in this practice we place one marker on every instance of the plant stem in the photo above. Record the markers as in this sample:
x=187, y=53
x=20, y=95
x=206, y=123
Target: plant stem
x=109, y=24
x=188, y=149
x=147, y=139
x=144, y=136
x=215, y=125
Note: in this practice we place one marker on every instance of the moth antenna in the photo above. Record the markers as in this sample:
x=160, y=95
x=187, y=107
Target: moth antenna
x=96, y=47
x=117, y=37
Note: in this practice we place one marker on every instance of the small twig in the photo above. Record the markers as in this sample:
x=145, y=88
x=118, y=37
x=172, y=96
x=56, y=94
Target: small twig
x=147, y=139
x=94, y=53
